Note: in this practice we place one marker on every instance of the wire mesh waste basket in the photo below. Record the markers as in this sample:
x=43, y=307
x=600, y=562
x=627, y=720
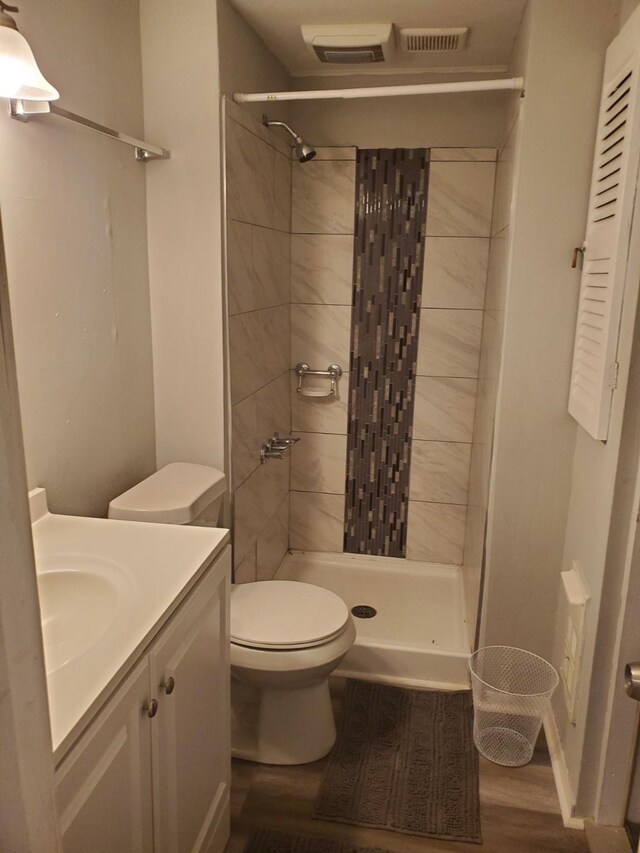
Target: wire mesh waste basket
x=511, y=693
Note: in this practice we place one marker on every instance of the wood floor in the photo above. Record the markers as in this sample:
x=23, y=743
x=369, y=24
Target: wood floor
x=520, y=811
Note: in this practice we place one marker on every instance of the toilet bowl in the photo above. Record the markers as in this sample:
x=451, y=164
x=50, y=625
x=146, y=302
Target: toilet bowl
x=286, y=637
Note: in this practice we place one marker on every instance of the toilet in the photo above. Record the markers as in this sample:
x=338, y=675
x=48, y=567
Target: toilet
x=286, y=637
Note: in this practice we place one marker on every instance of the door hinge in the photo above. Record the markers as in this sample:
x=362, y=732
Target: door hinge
x=613, y=375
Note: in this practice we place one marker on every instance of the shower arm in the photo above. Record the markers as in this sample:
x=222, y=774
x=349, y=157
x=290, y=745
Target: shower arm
x=269, y=123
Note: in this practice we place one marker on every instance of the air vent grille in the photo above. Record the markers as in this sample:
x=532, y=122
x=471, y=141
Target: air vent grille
x=350, y=55
x=428, y=43
x=433, y=41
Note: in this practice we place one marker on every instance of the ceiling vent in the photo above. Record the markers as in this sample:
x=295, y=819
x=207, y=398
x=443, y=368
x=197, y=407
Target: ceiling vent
x=445, y=40
x=350, y=44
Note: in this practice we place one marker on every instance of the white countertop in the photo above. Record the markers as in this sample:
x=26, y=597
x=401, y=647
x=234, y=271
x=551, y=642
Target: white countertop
x=147, y=569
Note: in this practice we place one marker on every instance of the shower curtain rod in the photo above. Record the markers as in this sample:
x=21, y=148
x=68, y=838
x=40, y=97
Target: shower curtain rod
x=514, y=83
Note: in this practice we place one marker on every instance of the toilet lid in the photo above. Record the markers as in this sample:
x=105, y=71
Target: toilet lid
x=285, y=615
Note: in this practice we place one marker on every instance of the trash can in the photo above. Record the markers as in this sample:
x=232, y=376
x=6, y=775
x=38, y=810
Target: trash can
x=511, y=693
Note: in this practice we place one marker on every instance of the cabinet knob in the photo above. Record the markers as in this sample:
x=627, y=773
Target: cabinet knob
x=151, y=707
x=168, y=685
x=632, y=680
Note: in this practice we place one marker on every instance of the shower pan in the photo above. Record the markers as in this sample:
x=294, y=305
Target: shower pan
x=418, y=634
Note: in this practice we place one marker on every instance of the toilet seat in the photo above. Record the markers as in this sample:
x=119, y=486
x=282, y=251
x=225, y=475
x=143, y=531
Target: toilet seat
x=285, y=615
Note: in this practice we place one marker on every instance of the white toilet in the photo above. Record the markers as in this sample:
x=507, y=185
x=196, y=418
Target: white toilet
x=286, y=637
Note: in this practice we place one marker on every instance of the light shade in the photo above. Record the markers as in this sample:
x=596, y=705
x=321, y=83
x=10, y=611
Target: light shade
x=20, y=77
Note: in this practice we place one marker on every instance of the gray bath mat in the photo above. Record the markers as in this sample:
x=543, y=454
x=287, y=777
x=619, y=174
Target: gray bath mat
x=404, y=760
x=269, y=841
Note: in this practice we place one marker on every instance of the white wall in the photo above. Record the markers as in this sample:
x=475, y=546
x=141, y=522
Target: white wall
x=532, y=470
x=182, y=113
x=73, y=206
x=247, y=64
x=28, y=818
x=627, y=7
x=489, y=369
x=595, y=542
x=439, y=121
x=603, y=738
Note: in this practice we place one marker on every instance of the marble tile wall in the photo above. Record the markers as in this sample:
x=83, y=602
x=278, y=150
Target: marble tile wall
x=290, y=266
x=453, y=297
x=322, y=216
x=258, y=221
x=456, y=259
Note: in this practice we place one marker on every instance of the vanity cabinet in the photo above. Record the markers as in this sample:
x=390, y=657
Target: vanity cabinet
x=152, y=772
x=103, y=786
x=189, y=669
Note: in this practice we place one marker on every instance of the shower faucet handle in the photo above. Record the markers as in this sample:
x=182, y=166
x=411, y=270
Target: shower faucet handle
x=276, y=447
x=268, y=451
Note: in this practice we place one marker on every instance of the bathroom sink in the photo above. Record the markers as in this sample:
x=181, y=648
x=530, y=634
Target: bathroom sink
x=80, y=600
x=106, y=587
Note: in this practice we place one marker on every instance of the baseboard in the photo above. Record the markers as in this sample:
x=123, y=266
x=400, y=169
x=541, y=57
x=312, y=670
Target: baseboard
x=561, y=775
x=606, y=839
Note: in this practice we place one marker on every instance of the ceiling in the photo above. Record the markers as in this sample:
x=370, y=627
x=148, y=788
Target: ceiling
x=493, y=25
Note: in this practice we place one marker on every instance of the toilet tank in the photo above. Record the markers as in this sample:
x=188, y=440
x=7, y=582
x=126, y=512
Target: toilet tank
x=179, y=493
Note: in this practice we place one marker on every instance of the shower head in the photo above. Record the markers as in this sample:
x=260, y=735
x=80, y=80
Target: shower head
x=303, y=150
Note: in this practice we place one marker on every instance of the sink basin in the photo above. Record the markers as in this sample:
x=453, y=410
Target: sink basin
x=105, y=587
x=80, y=600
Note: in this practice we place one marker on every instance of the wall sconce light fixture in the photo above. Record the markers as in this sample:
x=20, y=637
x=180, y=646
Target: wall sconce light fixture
x=20, y=77
x=30, y=94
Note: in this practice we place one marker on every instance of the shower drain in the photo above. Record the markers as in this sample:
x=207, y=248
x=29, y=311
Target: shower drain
x=364, y=611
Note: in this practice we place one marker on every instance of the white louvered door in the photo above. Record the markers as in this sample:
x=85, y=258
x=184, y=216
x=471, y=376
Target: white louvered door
x=613, y=186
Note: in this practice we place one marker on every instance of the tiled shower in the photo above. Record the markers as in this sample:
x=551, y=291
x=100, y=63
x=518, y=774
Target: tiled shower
x=290, y=259
x=258, y=224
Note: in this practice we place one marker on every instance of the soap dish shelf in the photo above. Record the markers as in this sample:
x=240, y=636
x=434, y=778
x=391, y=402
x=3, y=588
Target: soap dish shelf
x=332, y=373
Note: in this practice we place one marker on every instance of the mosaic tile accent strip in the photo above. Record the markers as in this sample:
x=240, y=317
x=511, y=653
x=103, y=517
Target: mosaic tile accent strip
x=391, y=211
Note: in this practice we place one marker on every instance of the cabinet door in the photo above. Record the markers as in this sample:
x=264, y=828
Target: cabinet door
x=103, y=787
x=190, y=733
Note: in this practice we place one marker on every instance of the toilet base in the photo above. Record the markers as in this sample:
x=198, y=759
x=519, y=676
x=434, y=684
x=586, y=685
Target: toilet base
x=292, y=726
